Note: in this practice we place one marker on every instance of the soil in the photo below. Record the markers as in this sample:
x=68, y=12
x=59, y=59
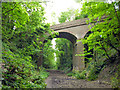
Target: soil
x=58, y=79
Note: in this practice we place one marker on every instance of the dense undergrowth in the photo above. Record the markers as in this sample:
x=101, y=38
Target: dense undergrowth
x=98, y=72
x=102, y=42
x=23, y=28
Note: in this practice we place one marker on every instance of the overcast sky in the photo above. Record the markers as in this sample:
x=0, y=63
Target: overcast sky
x=58, y=6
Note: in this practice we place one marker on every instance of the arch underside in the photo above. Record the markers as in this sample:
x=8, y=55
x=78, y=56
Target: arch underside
x=65, y=35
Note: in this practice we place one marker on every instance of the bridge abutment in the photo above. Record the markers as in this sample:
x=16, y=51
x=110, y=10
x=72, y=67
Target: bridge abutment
x=78, y=61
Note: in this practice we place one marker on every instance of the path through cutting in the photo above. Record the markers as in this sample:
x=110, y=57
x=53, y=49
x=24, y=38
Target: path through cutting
x=58, y=79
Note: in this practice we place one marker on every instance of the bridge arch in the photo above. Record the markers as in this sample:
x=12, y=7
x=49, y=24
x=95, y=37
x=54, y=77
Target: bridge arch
x=65, y=35
x=73, y=31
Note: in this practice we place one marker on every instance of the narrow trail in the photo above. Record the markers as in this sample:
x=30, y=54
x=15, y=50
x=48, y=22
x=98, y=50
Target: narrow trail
x=58, y=79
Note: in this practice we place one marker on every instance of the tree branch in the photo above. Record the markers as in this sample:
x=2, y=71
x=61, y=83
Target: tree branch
x=13, y=8
x=104, y=50
x=117, y=15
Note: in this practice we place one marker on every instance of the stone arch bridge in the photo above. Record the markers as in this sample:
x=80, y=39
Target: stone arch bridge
x=73, y=31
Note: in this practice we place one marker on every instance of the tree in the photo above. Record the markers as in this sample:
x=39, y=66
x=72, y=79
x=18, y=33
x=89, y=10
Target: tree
x=22, y=29
x=49, y=58
x=64, y=47
x=78, y=1
x=66, y=16
x=105, y=34
x=70, y=15
x=104, y=38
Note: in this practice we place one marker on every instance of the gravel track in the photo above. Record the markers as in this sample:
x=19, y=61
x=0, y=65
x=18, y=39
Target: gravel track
x=58, y=79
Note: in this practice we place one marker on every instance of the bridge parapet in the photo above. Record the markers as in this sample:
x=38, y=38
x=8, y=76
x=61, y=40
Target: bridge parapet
x=70, y=24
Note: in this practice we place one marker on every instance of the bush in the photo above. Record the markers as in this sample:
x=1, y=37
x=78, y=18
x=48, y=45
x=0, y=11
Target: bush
x=81, y=75
x=22, y=31
x=34, y=80
x=94, y=68
x=78, y=75
x=115, y=81
x=71, y=74
x=92, y=75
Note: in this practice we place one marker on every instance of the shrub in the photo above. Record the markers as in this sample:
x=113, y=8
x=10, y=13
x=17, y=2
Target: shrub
x=77, y=74
x=92, y=75
x=115, y=80
x=34, y=80
x=71, y=74
x=81, y=75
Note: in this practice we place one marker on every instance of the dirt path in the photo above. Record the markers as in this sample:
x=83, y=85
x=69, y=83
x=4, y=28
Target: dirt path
x=57, y=79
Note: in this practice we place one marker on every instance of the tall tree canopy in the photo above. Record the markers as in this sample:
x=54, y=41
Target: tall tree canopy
x=103, y=40
x=70, y=15
x=22, y=29
x=106, y=28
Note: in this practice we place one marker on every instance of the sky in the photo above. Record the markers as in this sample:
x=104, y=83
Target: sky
x=58, y=6
x=53, y=46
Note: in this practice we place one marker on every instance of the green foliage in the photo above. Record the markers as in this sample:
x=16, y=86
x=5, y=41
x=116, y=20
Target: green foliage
x=80, y=75
x=92, y=74
x=22, y=29
x=70, y=74
x=77, y=74
x=115, y=82
x=77, y=1
x=103, y=38
x=66, y=16
x=33, y=79
x=93, y=69
x=65, y=54
x=115, y=79
x=105, y=35
x=49, y=58
x=79, y=15
x=71, y=14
